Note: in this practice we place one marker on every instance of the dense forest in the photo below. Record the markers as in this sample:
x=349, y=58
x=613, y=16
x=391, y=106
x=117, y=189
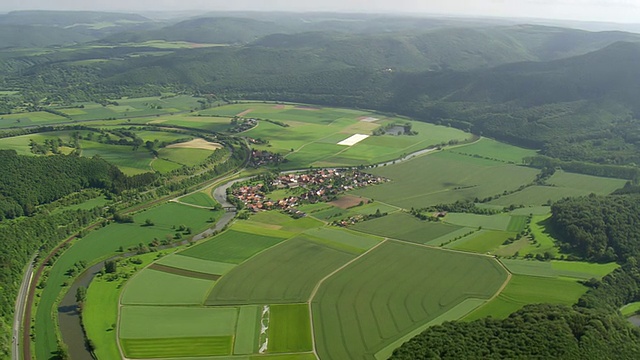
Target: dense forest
x=31, y=181
x=534, y=332
x=599, y=228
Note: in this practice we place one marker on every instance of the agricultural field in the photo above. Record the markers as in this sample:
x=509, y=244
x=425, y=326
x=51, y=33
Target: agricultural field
x=335, y=210
x=311, y=135
x=232, y=247
x=524, y=289
x=274, y=287
x=285, y=273
x=406, y=227
x=209, y=123
x=199, y=199
x=556, y=268
x=491, y=149
x=105, y=242
x=557, y=282
x=267, y=280
x=100, y=312
x=499, y=222
x=483, y=242
x=184, y=156
x=380, y=297
x=39, y=118
x=131, y=108
x=561, y=184
x=445, y=177
x=130, y=161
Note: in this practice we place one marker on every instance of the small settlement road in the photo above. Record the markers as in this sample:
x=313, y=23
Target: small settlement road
x=19, y=313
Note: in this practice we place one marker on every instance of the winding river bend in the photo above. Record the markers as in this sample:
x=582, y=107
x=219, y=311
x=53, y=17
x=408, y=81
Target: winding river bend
x=69, y=319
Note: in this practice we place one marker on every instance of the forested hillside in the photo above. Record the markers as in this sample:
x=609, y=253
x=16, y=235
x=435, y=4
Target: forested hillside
x=599, y=228
x=31, y=181
x=535, y=332
x=578, y=108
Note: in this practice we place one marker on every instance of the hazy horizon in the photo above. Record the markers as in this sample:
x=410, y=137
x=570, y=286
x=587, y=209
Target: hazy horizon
x=616, y=11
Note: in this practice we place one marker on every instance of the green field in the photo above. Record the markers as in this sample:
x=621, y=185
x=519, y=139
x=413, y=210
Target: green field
x=556, y=268
x=630, y=309
x=144, y=289
x=103, y=243
x=330, y=213
x=393, y=290
x=312, y=135
x=273, y=220
x=488, y=148
x=175, y=322
x=195, y=264
x=562, y=184
x=485, y=241
x=246, y=341
x=286, y=273
x=231, y=247
x=162, y=136
x=39, y=118
x=188, y=157
x=587, y=183
x=445, y=177
x=214, y=124
x=177, y=347
x=342, y=239
x=403, y=226
x=130, y=108
x=524, y=289
x=100, y=310
x=200, y=199
x=493, y=222
x=289, y=329
x=130, y=161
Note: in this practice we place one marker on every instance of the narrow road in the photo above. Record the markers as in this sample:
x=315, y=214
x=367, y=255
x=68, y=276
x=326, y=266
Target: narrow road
x=19, y=312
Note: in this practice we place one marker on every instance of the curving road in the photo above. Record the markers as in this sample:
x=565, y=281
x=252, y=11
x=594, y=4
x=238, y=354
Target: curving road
x=20, y=307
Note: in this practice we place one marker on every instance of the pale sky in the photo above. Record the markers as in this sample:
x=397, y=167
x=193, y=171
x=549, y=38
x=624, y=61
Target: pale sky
x=623, y=11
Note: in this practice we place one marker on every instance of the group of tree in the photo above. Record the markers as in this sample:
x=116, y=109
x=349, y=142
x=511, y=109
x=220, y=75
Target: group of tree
x=31, y=181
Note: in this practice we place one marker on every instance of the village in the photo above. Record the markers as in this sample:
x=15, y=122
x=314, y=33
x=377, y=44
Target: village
x=314, y=186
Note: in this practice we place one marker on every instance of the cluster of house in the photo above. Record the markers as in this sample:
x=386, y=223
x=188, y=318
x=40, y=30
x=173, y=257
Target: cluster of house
x=317, y=186
x=261, y=158
x=242, y=124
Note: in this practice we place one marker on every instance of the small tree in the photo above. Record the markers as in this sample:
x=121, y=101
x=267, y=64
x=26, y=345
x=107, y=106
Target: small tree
x=110, y=266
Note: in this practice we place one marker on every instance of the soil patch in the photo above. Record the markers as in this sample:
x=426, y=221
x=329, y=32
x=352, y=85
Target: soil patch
x=348, y=201
x=244, y=112
x=280, y=107
x=183, y=272
x=368, y=119
x=197, y=144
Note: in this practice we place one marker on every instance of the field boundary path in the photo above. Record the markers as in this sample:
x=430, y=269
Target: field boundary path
x=317, y=287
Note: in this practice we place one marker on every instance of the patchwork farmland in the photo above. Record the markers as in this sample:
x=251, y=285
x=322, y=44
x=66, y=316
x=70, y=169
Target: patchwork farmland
x=274, y=287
